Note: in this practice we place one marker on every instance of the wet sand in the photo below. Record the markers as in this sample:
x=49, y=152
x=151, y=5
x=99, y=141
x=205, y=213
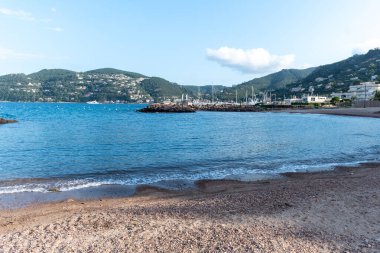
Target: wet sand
x=372, y=112
x=330, y=211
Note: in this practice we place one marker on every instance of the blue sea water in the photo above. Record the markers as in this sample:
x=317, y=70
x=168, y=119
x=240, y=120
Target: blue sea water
x=74, y=146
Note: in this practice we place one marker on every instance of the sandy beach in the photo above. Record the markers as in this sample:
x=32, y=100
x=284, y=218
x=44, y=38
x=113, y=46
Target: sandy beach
x=331, y=211
x=372, y=112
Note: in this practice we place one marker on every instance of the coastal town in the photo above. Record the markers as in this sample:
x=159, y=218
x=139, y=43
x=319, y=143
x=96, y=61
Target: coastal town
x=68, y=86
x=360, y=95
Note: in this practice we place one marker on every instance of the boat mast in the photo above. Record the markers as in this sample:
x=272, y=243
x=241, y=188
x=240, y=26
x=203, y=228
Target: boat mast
x=252, y=94
x=212, y=93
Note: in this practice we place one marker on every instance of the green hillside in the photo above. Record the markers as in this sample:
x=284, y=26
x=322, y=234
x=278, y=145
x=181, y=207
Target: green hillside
x=112, y=71
x=277, y=80
x=60, y=85
x=12, y=78
x=159, y=88
x=52, y=75
x=339, y=76
x=106, y=84
x=272, y=82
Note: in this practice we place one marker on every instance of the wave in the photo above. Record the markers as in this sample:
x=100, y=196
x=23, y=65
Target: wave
x=177, y=180
x=316, y=167
x=54, y=186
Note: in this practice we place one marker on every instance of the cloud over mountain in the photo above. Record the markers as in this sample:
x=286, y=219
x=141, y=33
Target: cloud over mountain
x=256, y=60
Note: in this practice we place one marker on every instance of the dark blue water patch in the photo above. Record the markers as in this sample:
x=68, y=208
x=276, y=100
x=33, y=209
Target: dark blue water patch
x=70, y=146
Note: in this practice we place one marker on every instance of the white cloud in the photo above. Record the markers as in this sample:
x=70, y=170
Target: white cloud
x=57, y=29
x=365, y=46
x=18, y=14
x=256, y=60
x=9, y=54
x=53, y=9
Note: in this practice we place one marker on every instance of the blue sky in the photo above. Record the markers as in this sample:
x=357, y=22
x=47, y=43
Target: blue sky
x=189, y=42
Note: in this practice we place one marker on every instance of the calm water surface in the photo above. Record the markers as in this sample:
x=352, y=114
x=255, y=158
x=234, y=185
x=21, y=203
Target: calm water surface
x=73, y=146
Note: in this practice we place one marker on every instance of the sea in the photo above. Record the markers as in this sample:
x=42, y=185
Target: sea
x=62, y=150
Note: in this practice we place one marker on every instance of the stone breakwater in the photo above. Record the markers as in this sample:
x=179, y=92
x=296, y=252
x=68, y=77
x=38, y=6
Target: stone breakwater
x=161, y=108
x=5, y=121
x=230, y=108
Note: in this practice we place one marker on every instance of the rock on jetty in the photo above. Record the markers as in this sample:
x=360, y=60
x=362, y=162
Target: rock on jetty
x=5, y=121
x=178, y=108
x=229, y=108
x=163, y=108
x=240, y=108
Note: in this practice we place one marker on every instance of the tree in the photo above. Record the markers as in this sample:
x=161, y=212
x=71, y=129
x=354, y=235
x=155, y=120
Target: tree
x=377, y=95
x=335, y=100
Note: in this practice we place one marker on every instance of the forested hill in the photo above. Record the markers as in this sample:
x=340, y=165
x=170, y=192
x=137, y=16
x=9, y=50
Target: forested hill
x=107, y=84
x=325, y=79
x=273, y=82
x=339, y=76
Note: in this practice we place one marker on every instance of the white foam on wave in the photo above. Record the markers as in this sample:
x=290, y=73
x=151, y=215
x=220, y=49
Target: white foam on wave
x=53, y=186
x=239, y=173
x=21, y=188
x=314, y=167
x=73, y=186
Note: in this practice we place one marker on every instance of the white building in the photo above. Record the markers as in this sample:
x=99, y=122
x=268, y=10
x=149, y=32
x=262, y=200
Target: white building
x=315, y=99
x=310, y=99
x=363, y=91
x=292, y=100
x=342, y=95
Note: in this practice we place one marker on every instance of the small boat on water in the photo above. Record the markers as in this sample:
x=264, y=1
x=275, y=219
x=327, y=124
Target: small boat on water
x=93, y=102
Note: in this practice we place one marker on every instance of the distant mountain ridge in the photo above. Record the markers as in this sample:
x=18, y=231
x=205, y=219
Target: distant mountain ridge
x=109, y=84
x=324, y=80
x=279, y=80
x=271, y=82
x=116, y=71
x=106, y=84
x=337, y=77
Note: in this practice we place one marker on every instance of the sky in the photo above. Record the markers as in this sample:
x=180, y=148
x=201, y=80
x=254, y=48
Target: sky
x=194, y=42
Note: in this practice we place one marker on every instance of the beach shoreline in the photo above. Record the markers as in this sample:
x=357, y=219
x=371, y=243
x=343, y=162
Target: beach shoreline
x=326, y=211
x=369, y=112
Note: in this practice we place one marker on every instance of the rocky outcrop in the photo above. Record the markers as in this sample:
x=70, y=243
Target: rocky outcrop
x=175, y=108
x=5, y=121
x=230, y=108
x=240, y=108
x=162, y=108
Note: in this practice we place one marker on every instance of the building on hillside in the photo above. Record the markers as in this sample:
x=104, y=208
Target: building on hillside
x=362, y=91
